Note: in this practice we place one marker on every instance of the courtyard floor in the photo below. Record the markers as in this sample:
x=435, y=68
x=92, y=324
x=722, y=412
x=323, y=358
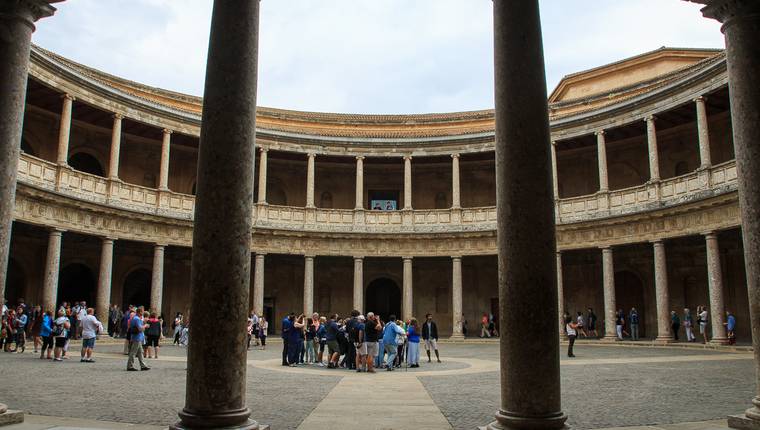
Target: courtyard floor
x=605, y=386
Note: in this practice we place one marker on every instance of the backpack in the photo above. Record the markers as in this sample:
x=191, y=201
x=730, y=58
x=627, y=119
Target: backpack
x=353, y=331
x=57, y=330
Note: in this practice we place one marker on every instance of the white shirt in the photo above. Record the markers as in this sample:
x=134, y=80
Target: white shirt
x=82, y=314
x=90, y=326
x=703, y=317
x=570, y=330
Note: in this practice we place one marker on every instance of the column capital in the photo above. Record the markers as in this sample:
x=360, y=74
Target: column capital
x=263, y=149
x=658, y=242
x=67, y=96
x=160, y=245
x=456, y=155
x=699, y=99
x=309, y=256
x=650, y=118
x=606, y=248
x=108, y=239
x=407, y=258
x=554, y=144
x=28, y=11
x=311, y=154
x=358, y=257
x=456, y=257
x=360, y=157
x=57, y=231
x=167, y=131
x=407, y=157
x=117, y=116
x=599, y=133
x=728, y=11
x=259, y=254
x=558, y=252
x=710, y=234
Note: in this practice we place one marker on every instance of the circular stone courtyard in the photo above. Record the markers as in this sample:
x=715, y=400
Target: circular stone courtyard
x=604, y=386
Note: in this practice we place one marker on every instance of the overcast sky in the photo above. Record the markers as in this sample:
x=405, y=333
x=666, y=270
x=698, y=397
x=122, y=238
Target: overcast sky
x=364, y=56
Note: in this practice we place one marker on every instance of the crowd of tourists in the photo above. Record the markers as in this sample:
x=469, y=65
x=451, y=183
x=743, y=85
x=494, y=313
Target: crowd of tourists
x=357, y=342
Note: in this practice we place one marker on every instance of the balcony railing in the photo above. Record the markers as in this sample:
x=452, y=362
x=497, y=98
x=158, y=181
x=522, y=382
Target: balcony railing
x=85, y=187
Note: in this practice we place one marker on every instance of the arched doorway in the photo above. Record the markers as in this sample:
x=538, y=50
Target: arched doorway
x=77, y=283
x=629, y=293
x=15, y=282
x=383, y=297
x=86, y=163
x=137, y=288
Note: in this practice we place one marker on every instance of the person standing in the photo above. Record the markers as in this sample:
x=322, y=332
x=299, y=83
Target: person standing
x=61, y=326
x=570, y=329
x=311, y=334
x=413, y=345
x=35, y=323
x=263, y=328
x=702, y=310
x=360, y=346
x=580, y=324
x=332, y=331
x=177, y=326
x=153, y=335
x=136, y=332
x=619, y=323
x=633, y=319
x=430, y=336
x=730, y=327
x=295, y=341
x=484, y=326
x=287, y=325
x=352, y=340
x=21, y=320
x=688, y=325
x=591, y=320
x=390, y=333
x=113, y=321
x=91, y=327
x=46, y=333
x=372, y=328
x=675, y=324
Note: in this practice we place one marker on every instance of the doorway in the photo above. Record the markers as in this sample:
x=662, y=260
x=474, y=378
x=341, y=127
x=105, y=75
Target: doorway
x=383, y=297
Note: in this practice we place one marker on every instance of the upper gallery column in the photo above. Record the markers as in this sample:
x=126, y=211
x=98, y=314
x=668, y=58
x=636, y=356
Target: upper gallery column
x=163, y=183
x=654, y=155
x=407, y=294
x=103, y=301
x=64, y=130
x=113, y=163
x=741, y=26
x=608, y=280
x=601, y=149
x=16, y=25
x=715, y=285
x=258, y=284
x=52, y=268
x=560, y=294
x=308, y=285
x=215, y=392
x=359, y=283
x=555, y=177
x=408, y=182
x=526, y=239
x=359, y=184
x=262, y=177
x=310, y=180
x=456, y=297
x=157, y=279
x=455, y=196
x=662, y=293
x=704, y=133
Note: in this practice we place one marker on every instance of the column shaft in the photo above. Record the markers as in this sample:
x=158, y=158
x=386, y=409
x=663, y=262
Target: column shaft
x=310, y=180
x=52, y=266
x=408, y=182
x=526, y=239
x=163, y=182
x=215, y=392
x=113, y=162
x=560, y=295
x=455, y=197
x=704, y=133
x=64, y=130
x=654, y=155
x=157, y=279
x=359, y=283
x=359, y=183
x=407, y=310
x=258, y=284
x=103, y=302
x=601, y=149
x=308, y=285
x=715, y=284
x=555, y=173
x=662, y=293
x=610, y=304
x=263, y=176
x=456, y=297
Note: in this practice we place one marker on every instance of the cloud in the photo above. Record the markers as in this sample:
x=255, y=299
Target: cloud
x=390, y=56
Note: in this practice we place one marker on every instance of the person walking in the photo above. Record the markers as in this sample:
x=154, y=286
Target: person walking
x=263, y=328
x=390, y=333
x=675, y=324
x=332, y=331
x=688, y=325
x=91, y=327
x=372, y=329
x=571, y=330
x=46, y=333
x=702, y=319
x=591, y=320
x=633, y=319
x=136, y=330
x=413, y=344
x=177, y=326
x=61, y=326
x=430, y=336
x=580, y=325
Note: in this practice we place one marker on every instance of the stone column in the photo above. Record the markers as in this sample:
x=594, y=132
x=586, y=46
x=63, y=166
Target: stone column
x=407, y=302
x=455, y=197
x=103, y=302
x=715, y=284
x=263, y=176
x=560, y=295
x=258, y=284
x=163, y=181
x=601, y=148
x=308, y=285
x=654, y=155
x=52, y=268
x=407, y=182
x=610, y=304
x=359, y=283
x=157, y=279
x=113, y=163
x=526, y=239
x=704, y=133
x=662, y=294
x=64, y=130
x=221, y=263
x=16, y=26
x=456, y=298
x=741, y=26
x=555, y=176
x=359, y=184
x=310, y=180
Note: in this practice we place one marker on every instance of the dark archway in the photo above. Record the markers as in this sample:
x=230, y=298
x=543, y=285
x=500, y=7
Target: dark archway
x=85, y=162
x=15, y=282
x=137, y=288
x=629, y=293
x=77, y=282
x=383, y=297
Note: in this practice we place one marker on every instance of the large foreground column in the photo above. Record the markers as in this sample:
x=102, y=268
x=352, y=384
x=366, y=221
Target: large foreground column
x=741, y=19
x=16, y=26
x=526, y=242
x=662, y=293
x=221, y=263
x=52, y=266
x=157, y=279
x=103, y=302
x=608, y=279
x=359, y=284
x=407, y=294
x=456, y=297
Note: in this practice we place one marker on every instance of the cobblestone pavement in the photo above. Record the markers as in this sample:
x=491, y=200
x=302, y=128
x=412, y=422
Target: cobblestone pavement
x=613, y=386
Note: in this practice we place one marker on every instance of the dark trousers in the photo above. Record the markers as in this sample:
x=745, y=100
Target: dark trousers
x=351, y=356
x=284, y=352
x=675, y=328
x=571, y=342
x=293, y=349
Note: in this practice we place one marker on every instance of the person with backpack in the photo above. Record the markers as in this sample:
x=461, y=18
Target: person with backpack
x=60, y=332
x=730, y=327
x=153, y=335
x=136, y=332
x=46, y=333
x=633, y=319
x=360, y=345
x=332, y=332
x=352, y=339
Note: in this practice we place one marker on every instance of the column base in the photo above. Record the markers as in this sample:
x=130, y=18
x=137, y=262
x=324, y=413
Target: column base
x=457, y=337
x=718, y=341
x=506, y=421
x=227, y=420
x=609, y=339
x=251, y=425
x=750, y=420
x=8, y=417
x=664, y=339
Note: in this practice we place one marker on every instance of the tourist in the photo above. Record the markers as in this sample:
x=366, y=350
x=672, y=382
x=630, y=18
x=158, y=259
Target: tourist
x=255, y=329
x=464, y=326
x=310, y=335
x=91, y=327
x=249, y=330
x=10, y=331
x=633, y=319
x=484, y=326
x=352, y=339
x=430, y=336
x=322, y=337
x=390, y=333
x=619, y=323
x=570, y=329
x=579, y=325
x=372, y=328
x=4, y=331
x=128, y=315
x=287, y=324
x=177, y=327
x=675, y=324
x=263, y=328
x=591, y=320
x=400, y=344
x=295, y=341
x=413, y=344
x=153, y=335
x=360, y=346
x=332, y=331
x=492, y=326
x=702, y=320
x=342, y=342
x=688, y=325
x=21, y=320
x=184, y=337
x=61, y=327
x=114, y=316
x=136, y=330
x=46, y=333
x=35, y=323
x=730, y=328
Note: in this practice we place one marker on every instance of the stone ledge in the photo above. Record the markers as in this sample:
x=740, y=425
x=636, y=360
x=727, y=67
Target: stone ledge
x=11, y=417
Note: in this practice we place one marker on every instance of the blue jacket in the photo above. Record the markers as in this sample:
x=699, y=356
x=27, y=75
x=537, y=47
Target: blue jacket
x=46, y=328
x=286, y=326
